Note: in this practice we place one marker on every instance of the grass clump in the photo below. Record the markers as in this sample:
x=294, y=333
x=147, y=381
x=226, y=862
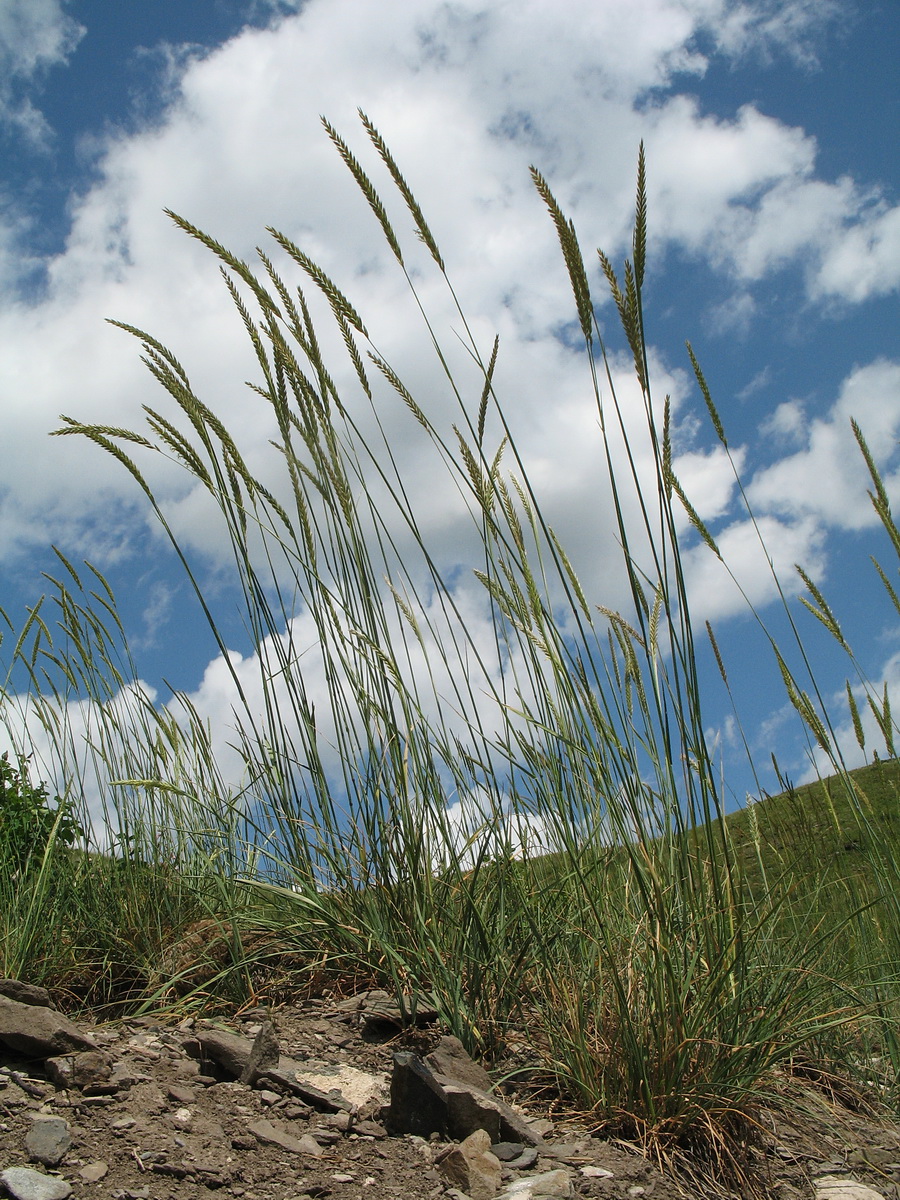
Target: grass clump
x=514, y=816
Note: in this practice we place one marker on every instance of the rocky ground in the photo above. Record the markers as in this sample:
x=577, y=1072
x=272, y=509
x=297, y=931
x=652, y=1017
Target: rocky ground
x=332, y=1099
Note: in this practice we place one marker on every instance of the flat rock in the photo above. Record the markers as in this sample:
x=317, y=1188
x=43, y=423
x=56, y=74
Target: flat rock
x=836, y=1187
x=48, y=1140
x=39, y=1032
x=538, y=1187
x=24, y=1184
x=25, y=993
x=93, y=1172
x=270, y=1134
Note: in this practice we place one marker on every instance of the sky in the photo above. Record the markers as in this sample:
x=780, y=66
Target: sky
x=770, y=129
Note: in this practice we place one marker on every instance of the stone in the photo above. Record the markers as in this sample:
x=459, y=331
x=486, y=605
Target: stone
x=24, y=1184
x=48, y=1140
x=230, y=1050
x=472, y=1167
x=39, y=1032
x=91, y=1070
x=270, y=1134
x=539, y=1187
x=834, y=1187
x=423, y=1102
x=289, y=1081
x=450, y=1058
x=25, y=993
x=93, y=1172
x=592, y=1172
x=264, y=1053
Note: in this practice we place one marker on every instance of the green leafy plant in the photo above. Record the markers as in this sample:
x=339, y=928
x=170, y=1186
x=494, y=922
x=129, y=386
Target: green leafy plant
x=30, y=821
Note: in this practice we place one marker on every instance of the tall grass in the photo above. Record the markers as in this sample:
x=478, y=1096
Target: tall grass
x=510, y=811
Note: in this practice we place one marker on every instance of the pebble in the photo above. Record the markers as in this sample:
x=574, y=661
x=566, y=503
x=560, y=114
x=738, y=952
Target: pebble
x=93, y=1172
x=48, y=1140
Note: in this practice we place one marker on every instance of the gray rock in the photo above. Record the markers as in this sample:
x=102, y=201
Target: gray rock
x=539, y=1187
x=286, y=1078
x=472, y=1167
x=48, y=1140
x=270, y=1134
x=450, y=1058
x=39, y=1032
x=230, y=1050
x=264, y=1053
x=423, y=1102
x=25, y=993
x=418, y=1102
x=24, y=1184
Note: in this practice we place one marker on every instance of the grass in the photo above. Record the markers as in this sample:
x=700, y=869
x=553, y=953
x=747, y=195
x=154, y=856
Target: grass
x=667, y=964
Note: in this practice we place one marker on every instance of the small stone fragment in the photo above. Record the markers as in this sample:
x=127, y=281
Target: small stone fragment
x=450, y=1058
x=48, y=1140
x=272, y=1135
x=93, y=1172
x=264, y=1053
x=537, y=1187
x=24, y=1184
x=472, y=1167
x=592, y=1172
x=91, y=1071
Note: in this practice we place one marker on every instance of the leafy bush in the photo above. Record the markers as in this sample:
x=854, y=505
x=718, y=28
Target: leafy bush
x=29, y=820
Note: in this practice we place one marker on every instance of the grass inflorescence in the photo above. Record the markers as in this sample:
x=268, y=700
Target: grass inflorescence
x=525, y=829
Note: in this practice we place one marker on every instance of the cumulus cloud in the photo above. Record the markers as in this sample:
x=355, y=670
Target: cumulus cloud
x=466, y=97
x=827, y=479
x=34, y=36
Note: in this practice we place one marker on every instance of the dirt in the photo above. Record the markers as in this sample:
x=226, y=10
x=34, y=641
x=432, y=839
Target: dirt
x=165, y=1129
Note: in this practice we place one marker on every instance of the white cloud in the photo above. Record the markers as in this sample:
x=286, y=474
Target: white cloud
x=34, y=36
x=466, y=97
x=828, y=478
x=755, y=553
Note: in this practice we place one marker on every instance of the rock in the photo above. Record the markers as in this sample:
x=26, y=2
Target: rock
x=833, y=1187
x=24, y=1184
x=39, y=1032
x=48, y=1140
x=418, y=1102
x=344, y=1085
x=472, y=1167
x=592, y=1172
x=25, y=993
x=271, y=1134
x=449, y=1058
x=93, y=1172
x=378, y=1010
x=537, y=1187
x=289, y=1081
x=229, y=1050
x=423, y=1102
x=264, y=1053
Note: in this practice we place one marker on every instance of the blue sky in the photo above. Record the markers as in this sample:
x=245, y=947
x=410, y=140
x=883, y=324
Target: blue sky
x=771, y=134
